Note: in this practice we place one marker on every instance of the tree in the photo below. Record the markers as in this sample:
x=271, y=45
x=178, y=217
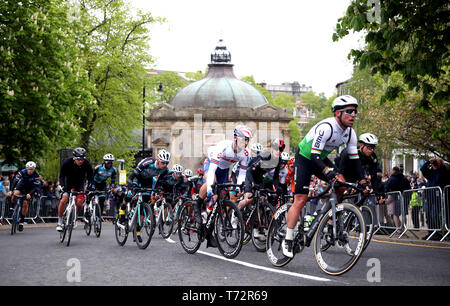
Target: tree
x=114, y=45
x=408, y=37
x=42, y=81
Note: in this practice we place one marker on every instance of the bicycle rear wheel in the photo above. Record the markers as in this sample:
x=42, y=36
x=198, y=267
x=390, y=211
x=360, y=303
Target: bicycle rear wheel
x=343, y=250
x=368, y=219
x=88, y=226
x=229, y=236
x=144, y=226
x=166, y=224
x=190, y=237
x=260, y=225
x=275, y=235
x=97, y=221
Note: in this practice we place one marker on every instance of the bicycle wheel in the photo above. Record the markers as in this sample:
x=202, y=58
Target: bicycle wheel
x=247, y=223
x=166, y=224
x=121, y=233
x=14, y=219
x=88, y=226
x=368, y=220
x=275, y=235
x=97, y=221
x=70, y=226
x=229, y=235
x=143, y=231
x=260, y=225
x=190, y=237
x=344, y=249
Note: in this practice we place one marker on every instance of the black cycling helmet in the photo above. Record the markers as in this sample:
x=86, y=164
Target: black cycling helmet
x=79, y=152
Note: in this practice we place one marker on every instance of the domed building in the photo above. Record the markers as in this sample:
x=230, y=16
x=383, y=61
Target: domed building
x=205, y=112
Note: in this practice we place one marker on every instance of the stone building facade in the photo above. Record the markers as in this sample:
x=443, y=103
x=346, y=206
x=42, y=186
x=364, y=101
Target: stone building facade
x=205, y=112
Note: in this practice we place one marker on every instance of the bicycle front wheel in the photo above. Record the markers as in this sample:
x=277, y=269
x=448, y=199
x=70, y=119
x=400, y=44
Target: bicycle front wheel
x=229, y=229
x=337, y=254
x=166, y=224
x=98, y=222
x=14, y=219
x=275, y=235
x=71, y=224
x=143, y=231
x=190, y=237
x=260, y=225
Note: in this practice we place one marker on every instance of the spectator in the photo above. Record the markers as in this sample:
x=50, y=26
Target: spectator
x=437, y=174
x=2, y=194
x=396, y=182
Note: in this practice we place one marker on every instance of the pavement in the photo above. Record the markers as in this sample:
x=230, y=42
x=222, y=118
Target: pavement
x=410, y=237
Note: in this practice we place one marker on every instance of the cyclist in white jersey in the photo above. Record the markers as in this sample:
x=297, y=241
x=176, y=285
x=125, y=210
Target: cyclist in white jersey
x=311, y=158
x=216, y=166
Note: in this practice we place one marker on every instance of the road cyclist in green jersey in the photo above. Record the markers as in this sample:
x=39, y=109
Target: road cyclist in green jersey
x=311, y=158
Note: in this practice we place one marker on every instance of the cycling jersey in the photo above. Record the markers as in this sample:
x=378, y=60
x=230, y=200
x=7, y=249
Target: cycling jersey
x=221, y=157
x=145, y=171
x=27, y=184
x=369, y=166
x=327, y=136
x=72, y=176
x=171, y=184
x=259, y=167
x=101, y=175
x=268, y=177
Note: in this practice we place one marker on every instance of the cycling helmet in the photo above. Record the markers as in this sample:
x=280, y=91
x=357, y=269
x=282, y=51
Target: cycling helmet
x=200, y=171
x=30, y=165
x=108, y=157
x=243, y=131
x=369, y=139
x=257, y=147
x=188, y=172
x=79, y=152
x=278, y=144
x=164, y=156
x=285, y=156
x=177, y=168
x=342, y=102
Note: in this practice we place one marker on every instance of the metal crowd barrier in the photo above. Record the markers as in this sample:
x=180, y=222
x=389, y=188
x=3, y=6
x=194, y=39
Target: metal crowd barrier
x=425, y=209
x=32, y=215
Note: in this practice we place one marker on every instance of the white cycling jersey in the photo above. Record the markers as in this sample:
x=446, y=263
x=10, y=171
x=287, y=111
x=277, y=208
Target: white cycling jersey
x=327, y=136
x=223, y=156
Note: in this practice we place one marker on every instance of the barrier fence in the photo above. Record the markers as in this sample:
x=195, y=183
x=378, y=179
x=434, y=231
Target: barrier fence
x=425, y=209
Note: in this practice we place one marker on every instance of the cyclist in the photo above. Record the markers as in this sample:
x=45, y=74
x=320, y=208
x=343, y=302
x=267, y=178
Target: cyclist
x=216, y=166
x=311, y=158
x=283, y=172
x=188, y=185
x=259, y=167
x=255, y=150
x=197, y=181
x=369, y=161
x=102, y=172
x=172, y=182
x=142, y=176
x=27, y=182
x=73, y=175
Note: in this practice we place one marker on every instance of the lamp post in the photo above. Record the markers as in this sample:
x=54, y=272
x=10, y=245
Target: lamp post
x=160, y=90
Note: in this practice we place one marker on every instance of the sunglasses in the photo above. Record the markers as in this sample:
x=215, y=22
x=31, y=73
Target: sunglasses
x=79, y=158
x=370, y=147
x=164, y=162
x=349, y=111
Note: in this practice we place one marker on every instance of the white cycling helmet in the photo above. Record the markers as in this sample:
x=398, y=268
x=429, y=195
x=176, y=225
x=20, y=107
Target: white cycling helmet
x=368, y=138
x=30, y=165
x=108, y=157
x=285, y=156
x=188, y=172
x=164, y=156
x=177, y=168
x=257, y=147
x=342, y=102
x=243, y=131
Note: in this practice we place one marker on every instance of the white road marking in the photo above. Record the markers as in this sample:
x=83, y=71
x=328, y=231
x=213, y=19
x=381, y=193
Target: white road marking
x=320, y=279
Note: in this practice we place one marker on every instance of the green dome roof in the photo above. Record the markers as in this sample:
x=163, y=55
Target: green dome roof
x=220, y=88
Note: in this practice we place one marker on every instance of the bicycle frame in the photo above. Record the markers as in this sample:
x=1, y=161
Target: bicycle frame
x=69, y=208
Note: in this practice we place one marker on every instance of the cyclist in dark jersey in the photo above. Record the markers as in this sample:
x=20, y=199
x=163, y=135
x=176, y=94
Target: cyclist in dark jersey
x=27, y=182
x=368, y=158
x=102, y=172
x=73, y=175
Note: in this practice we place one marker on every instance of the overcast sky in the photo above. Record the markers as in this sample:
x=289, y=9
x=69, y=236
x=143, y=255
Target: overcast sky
x=274, y=40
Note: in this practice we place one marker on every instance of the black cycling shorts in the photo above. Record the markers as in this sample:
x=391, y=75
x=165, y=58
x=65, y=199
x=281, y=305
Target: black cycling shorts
x=304, y=168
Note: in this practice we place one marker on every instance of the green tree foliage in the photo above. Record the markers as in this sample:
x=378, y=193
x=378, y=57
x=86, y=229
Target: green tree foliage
x=162, y=88
x=397, y=124
x=42, y=79
x=408, y=37
x=114, y=45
